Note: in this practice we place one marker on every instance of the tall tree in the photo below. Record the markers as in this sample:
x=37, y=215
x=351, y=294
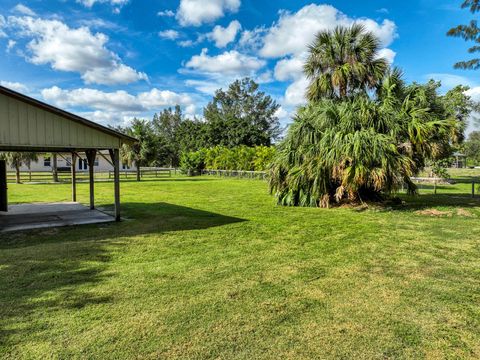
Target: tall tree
x=351, y=144
x=472, y=147
x=342, y=62
x=166, y=125
x=143, y=152
x=469, y=32
x=242, y=115
x=17, y=159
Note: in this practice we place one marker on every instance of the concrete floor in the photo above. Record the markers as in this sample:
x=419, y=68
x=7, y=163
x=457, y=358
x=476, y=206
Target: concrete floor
x=45, y=215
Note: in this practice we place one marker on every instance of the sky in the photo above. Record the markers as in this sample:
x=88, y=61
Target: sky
x=113, y=60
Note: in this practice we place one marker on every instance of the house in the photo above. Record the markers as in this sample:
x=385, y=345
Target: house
x=45, y=163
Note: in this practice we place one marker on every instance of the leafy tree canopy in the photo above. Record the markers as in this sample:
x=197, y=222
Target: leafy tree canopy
x=241, y=115
x=469, y=32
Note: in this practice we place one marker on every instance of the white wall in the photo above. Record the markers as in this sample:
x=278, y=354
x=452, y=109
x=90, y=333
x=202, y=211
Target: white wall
x=45, y=163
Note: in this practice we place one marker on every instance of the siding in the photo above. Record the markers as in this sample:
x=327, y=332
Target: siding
x=25, y=125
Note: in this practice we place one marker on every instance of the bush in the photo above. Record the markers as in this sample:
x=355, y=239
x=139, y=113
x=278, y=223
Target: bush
x=193, y=162
x=242, y=158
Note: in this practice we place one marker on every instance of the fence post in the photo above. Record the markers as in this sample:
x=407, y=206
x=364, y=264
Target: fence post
x=473, y=188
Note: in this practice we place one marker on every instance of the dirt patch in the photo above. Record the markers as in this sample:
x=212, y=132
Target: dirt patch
x=463, y=212
x=434, y=212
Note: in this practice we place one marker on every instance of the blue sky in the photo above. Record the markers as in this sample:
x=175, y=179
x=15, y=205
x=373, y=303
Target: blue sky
x=111, y=60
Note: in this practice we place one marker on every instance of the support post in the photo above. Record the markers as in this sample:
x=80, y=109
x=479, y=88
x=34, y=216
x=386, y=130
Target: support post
x=73, y=169
x=3, y=186
x=54, y=167
x=115, y=155
x=91, y=155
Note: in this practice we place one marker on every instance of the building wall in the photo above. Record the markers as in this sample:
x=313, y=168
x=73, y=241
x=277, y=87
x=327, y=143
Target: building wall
x=45, y=163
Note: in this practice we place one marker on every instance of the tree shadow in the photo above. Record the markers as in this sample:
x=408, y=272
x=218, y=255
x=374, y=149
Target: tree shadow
x=55, y=269
x=425, y=201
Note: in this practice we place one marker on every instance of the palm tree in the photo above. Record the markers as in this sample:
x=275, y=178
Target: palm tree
x=143, y=152
x=17, y=159
x=343, y=62
x=359, y=148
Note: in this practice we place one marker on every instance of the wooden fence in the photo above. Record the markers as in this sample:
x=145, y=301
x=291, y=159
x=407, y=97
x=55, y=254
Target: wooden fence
x=65, y=176
x=236, y=173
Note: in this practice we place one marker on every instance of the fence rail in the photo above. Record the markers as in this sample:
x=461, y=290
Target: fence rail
x=236, y=173
x=65, y=176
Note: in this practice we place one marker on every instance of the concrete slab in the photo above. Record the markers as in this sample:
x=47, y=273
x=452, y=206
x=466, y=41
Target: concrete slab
x=44, y=215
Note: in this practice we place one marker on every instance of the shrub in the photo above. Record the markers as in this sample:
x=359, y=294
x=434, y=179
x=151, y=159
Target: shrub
x=242, y=158
x=193, y=162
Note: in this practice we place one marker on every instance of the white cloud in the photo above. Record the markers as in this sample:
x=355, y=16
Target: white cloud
x=3, y=24
x=11, y=43
x=74, y=50
x=289, y=68
x=294, y=31
x=222, y=36
x=118, y=106
x=252, y=39
x=295, y=93
x=387, y=54
x=14, y=86
x=166, y=13
x=449, y=81
x=116, y=3
x=228, y=63
x=197, y=12
x=169, y=34
x=115, y=101
x=186, y=43
x=24, y=10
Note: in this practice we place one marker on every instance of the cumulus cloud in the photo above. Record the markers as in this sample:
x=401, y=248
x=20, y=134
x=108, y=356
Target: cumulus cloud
x=288, y=38
x=114, y=101
x=24, y=10
x=222, y=36
x=166, y=13
x=169, y=34
x=198, y=12
x=14, y=86
x=227, y=63
x=117, y=3
x=289, y=68
x=73, y=50
x=115, y=106
x=10, y=45
x=387, y=54
x=294, y=31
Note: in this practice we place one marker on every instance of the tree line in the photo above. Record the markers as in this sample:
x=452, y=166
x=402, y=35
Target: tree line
x=241, y=115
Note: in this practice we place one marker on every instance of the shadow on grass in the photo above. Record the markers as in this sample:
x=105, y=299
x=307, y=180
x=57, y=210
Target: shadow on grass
x=424, y=201
x=52, y=270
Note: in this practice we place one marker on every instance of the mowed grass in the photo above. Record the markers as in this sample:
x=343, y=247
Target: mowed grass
x=210, y=267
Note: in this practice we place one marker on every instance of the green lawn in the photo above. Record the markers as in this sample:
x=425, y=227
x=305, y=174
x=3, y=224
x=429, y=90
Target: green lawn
x=212, y=268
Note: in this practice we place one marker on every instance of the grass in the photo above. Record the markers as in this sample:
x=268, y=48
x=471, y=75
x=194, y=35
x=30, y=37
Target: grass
x=211, y=268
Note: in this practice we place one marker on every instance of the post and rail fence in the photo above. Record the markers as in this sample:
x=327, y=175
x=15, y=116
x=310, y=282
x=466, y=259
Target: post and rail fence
x=83, y=175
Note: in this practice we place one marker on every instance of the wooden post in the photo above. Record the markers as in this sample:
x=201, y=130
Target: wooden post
x=473, y=188
x=115, y=155
x=54, y=168
x=74, y=176
x=435, y=186
x=91, y=155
